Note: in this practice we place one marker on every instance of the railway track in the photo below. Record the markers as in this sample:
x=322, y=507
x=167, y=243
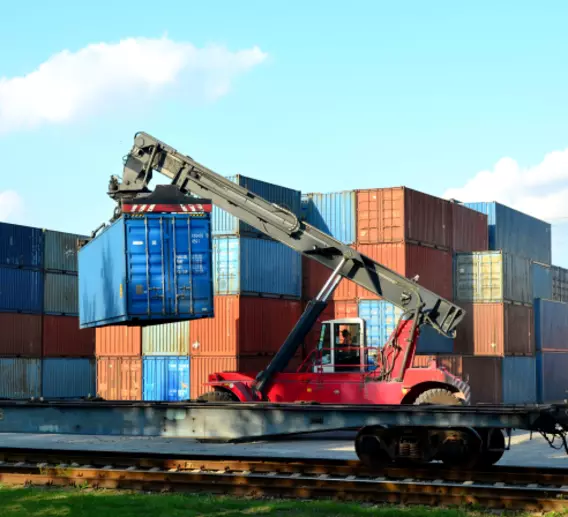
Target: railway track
x=498, y=487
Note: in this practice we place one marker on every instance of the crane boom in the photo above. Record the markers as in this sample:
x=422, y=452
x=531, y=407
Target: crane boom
x=149, y=154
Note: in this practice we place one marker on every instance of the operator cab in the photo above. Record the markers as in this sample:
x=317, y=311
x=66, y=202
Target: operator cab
x=342, y=347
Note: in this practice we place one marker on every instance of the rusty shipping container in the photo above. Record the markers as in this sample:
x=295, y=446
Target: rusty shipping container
x=119, y=378
x=62, y=337
x=118, y=341
x=496, y=329
x=244, y=325
x=401, y=214
x=20, y=335
x=61, y=294
x=203, y=366
x=434, y=266
x=469, y=229
x=20, y=378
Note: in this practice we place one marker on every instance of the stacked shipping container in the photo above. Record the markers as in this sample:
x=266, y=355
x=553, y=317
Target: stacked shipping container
x=42, y=350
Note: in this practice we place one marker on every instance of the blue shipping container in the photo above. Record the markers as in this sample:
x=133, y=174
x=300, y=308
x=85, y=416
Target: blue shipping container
x=20, y=378
x=21, y=246
x=333, y=213
x=541, y=278
x=21, y=290
x=550, y=325
x=381, y=318
x=224, y=223
x=551, y=379
x=139, y=269
x=68, y=378
x=166, y=378
x=256, y=266
x=519, y=380
x=515, y=232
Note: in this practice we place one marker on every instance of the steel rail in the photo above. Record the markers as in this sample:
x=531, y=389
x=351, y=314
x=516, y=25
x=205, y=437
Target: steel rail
x=542, y=489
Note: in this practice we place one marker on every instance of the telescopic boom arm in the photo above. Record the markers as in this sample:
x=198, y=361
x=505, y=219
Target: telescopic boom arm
x=149, y=154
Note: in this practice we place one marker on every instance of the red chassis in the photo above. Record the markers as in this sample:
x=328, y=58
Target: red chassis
x=351, y=374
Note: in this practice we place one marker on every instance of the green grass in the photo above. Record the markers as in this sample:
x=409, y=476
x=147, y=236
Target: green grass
x=29, y=502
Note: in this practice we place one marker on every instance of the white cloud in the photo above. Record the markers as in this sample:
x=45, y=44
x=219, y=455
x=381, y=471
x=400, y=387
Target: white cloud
x=11, y=206
x=540, y=190
x=105, y=76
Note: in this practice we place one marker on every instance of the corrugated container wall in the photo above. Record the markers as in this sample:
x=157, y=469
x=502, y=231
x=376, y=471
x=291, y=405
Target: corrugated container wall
x=167, y=339
x=551, y=325
x=118, y=341
x=119, y=378
x=61, y=251
x=541, y=281
x=62, y=337
x=314, y=277
x=453, y=363
x=166, y=378
x=433, y=266
x=21, y=246
x=519, y=380
x=61, y=294
x=485, y=378
x=20, y=335
x=495, y=329
x=381, y=318
x=559, y=284
x=225, y=224
x=333, y=213
x=515, y=232
x=469, y=229
x=21, y=290
x=492, y=276
x=256, y=266
x=20, y=378
x=202, y=367
x=552, y=382
x=68, y=378
x=244, y=325
x=400, y=214
x=153, y=268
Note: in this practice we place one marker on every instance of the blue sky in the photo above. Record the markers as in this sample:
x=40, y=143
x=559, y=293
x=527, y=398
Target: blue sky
x=337, y=96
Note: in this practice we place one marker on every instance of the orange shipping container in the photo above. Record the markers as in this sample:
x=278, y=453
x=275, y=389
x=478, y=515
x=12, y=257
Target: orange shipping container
x=434, y=266
x=495, y=329
x=118, y=341
x=469, y=229
x=244, y=325
x=62, y=337
x=314, y=276
x=401, y=214
x=119, y=378
x=20, y=335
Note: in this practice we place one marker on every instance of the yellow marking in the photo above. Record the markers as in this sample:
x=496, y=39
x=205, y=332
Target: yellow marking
x=120, y=290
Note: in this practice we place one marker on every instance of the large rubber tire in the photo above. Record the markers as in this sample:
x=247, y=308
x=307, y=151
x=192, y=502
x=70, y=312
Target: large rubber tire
x=437, y=397
x=217, y=396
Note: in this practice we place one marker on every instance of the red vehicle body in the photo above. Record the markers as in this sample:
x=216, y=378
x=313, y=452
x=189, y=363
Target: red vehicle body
x=356, y=378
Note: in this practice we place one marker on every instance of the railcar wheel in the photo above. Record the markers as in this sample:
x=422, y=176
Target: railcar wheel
x=369, y=449
x=461, y=448
x=493, y=447
x=217, y=396
x=437, y=397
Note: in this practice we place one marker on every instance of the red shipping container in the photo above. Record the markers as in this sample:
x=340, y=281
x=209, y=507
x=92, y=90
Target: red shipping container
x=62, y=337
x=434, y=266
x=119, y=378
x=20, y=335
x=314, y=277
x=244, y=325
x=118, y=341
x=469, y=229
x=453, y=363
x=495, y=329
x=401, y=214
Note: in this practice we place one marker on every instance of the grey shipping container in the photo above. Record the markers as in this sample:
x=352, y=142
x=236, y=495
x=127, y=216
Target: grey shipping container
x=168, y=339
x=20, y=378
x=68, y=378
x=492, y=276
x=559, y=284
x=519, y=380
x=61, y=294
x=60, y=251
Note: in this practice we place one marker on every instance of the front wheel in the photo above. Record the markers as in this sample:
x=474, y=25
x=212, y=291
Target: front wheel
x=437, y=397
x=217, y=396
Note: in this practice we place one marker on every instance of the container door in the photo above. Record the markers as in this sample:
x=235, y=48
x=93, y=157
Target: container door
x=192, y=289
x=148, y=243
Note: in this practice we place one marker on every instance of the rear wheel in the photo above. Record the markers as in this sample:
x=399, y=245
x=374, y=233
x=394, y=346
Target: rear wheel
x=369, y=447
x=217, y=396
